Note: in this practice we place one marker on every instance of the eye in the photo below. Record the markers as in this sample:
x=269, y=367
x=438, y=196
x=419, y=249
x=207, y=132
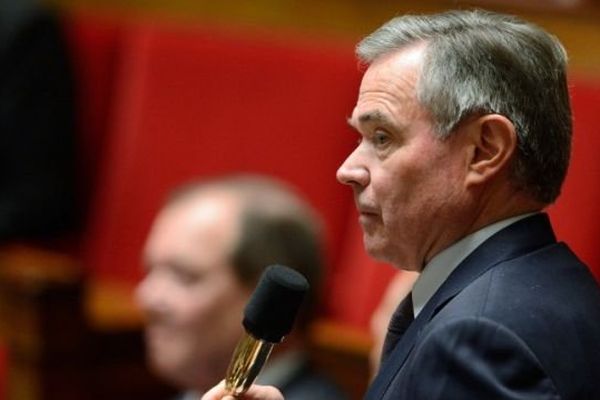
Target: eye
x=186, y=276
x=380, y=138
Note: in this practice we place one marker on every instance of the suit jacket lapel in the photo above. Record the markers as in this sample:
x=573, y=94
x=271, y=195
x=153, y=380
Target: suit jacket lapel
x=517, y=239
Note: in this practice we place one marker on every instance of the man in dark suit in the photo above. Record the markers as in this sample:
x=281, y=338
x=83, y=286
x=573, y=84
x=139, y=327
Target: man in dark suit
x=465, y=130
x=204, y=255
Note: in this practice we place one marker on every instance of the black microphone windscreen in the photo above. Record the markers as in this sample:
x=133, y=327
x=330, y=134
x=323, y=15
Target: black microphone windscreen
x=272, y=308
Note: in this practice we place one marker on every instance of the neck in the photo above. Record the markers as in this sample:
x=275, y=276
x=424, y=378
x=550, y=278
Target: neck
x=489, y=205
x=501, y=204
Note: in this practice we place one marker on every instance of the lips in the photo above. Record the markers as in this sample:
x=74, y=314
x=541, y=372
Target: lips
x=158, y=334
x=367, y=212
x=365, y=209
x=368, y=215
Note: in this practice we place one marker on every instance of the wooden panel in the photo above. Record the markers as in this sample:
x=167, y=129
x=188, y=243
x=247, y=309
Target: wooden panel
x=577, y=27
x=52, y=353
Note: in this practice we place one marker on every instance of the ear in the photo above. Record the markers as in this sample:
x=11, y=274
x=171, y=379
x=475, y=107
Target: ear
x=494, y=141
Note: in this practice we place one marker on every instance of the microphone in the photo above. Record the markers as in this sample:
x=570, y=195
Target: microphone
x=268, y=317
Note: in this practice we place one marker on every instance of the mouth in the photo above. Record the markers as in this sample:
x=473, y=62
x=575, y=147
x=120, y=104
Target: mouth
x=366, y=210
x=367, y=215
x=155, y=334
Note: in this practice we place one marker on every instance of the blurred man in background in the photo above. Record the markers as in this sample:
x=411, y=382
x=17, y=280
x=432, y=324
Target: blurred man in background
x=205, y=252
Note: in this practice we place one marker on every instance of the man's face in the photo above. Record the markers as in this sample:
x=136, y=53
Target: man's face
x=408, y=184
x=192, y=300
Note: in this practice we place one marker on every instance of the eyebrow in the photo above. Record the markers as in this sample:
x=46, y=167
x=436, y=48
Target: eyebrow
x=349, y=122
x=375, y=116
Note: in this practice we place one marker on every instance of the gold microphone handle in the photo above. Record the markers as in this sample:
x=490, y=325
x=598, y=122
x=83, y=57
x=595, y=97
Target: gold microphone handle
x=248, y=358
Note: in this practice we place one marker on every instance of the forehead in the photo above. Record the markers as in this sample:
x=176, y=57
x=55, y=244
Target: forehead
x=389, y=85
x=200, y=226
x=398, y=63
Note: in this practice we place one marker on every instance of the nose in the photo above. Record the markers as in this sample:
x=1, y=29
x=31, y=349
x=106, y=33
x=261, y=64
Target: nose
x=148, y=294
x=141, y=292
x=353, y=171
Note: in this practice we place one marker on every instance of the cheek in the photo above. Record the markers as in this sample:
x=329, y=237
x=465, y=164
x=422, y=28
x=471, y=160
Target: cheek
x=213, y=328
x=414, y=193
x=398, y=191
x=199, y=307
x=215, y=309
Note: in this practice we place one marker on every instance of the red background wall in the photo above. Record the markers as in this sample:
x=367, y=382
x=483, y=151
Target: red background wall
x=576, y=215
x=165, y=103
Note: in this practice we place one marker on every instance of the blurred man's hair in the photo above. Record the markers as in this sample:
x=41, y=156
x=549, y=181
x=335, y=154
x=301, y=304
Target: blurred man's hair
x=276, y=227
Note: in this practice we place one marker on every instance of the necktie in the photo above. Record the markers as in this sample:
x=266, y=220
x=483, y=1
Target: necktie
x=401, y=319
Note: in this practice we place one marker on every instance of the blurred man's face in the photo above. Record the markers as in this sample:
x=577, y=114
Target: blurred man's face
x=192, y=300
x=407, y=183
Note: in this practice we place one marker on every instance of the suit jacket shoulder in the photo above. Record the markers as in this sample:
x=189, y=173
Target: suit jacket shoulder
x=517, y=319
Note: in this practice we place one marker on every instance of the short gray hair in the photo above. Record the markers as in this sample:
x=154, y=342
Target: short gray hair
x=478, y=62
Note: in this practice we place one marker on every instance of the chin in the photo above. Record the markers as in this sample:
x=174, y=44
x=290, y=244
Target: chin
x=167, y=368
x=178, y=375
x=375, y=249
x=386, y=254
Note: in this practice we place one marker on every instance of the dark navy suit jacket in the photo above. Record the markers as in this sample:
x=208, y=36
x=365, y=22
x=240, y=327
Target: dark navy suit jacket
x=519, y=318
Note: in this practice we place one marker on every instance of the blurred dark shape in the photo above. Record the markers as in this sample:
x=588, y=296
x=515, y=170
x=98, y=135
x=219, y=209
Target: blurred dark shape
x=38, y=195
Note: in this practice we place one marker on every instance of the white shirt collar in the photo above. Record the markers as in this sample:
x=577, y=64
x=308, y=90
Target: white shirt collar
x=441, y=266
